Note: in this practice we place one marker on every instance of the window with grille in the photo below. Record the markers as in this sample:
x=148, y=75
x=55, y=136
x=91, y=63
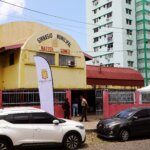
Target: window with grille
x=145, y=98
x=128, y=1
x=50, y=58
x=129, y=42
x=28, y=97
x=129, y=32
x=121, y=97
x=66, y=60
x=128, y=21
x=130, y=63
x=128, y=11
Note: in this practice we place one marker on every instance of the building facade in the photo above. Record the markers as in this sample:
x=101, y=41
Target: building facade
x=143, y=38
x=112, y=34
x=21, y=41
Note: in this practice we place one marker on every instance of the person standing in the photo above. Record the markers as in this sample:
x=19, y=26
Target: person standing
x=66, y=108
x=75, y=107
x=84, y=106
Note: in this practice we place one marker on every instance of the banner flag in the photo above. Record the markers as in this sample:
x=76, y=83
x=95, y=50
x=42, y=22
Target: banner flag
x=45, y=84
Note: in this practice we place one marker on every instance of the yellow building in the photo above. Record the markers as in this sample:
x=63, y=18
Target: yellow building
x=19, y=43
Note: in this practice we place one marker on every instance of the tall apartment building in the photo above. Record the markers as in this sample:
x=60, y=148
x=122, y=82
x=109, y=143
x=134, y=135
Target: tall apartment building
x=143, y=38
x=111, y=34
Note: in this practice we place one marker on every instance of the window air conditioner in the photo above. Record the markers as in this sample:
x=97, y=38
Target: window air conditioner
x=71, y=63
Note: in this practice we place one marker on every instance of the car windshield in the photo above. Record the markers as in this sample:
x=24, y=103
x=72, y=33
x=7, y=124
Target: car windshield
x=125, y=114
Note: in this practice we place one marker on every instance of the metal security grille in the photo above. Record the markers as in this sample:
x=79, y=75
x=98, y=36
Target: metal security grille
x=20, y=98
x=28, y=97
x=59, y=97
x=145, y=98
x=121, y=97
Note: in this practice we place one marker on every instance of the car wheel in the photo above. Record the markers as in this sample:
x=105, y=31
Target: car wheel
x=124, y=135
x=72, y=141
x=5, y=145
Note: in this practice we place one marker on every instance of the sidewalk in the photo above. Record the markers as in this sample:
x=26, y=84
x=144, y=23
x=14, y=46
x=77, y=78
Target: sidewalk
x=90, y=125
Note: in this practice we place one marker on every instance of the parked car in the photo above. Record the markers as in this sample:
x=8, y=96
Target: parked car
x=130, y=122
x=27, y=126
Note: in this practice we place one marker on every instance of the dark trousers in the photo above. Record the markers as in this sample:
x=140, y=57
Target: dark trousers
x=84, y=114
x=66, y=114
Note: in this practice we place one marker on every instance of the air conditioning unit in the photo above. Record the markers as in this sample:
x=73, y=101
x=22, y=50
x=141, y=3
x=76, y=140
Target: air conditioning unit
x=71, y=63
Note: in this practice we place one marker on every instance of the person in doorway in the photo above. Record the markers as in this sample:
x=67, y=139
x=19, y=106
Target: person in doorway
x=66, y=108
x=84, y=106
x=75, y=107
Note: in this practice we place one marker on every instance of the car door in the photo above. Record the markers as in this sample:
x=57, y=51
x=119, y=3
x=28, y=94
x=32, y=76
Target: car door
x=45, y=131
x=20, y=128
x=141, y=124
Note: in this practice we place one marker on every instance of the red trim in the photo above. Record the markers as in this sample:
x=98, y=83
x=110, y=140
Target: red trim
x=87, y=57
x=10, y=47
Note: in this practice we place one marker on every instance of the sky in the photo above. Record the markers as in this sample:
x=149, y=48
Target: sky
x=65, y=15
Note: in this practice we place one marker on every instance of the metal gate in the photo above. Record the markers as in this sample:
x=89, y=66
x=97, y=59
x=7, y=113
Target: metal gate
x=99, y=101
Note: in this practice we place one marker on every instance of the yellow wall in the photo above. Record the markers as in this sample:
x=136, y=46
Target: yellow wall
x=23, y=73
x=17, y=32
x=9, y=73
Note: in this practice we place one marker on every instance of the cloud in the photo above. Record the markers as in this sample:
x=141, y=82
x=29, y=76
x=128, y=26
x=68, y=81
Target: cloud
x=6, y=9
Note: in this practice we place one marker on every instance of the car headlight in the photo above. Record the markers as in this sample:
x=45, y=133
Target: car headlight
x=80, y=127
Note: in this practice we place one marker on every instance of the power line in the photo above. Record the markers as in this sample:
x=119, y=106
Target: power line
x=58, y=17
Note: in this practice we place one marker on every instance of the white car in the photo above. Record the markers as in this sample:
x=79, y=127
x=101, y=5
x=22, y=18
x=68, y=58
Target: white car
x=27, y=126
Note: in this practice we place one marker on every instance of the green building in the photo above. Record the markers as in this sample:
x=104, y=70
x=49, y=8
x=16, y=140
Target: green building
x=143, y=38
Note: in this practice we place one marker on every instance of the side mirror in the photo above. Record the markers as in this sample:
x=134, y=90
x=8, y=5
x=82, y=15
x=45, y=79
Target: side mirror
x=56, y=122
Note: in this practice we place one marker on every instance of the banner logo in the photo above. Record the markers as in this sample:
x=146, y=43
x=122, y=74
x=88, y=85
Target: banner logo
x=44, y=74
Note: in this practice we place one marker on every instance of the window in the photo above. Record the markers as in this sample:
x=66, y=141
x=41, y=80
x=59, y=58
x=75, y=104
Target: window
x=96, y=39
x=109, y=15
x=142, y=114
x=95, y=30
x=65, y=60
x=59, y=97
x=128, y=21
x=110, y=37
x=128, y=1
x=129, y=32
x=21, y=97
x=95, y=20
x=28, y=97
x=42, y=118
x=22, y=118
x=130, y=53
x=50, y=58
x=121, y=97
x=95, y=2
x=110, y=46
x=108, y=5
x=128, y=11
x=130, y=63
x=11, y=59
x=129, y=42
x=95, y=11
x=145, y=98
